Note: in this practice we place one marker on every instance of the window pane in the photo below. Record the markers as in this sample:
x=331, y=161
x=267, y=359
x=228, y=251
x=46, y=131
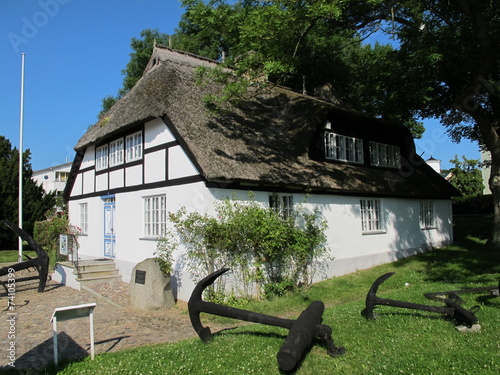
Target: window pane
x=282, y=204
x=383, y=155
x=155, y=216
x=426, y=214
x=133, y=144
x=101, y=157
x=371, y=217
x=343, y=148
x=84, y=218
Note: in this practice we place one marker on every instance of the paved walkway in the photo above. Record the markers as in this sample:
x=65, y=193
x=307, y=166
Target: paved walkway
x=116, y=327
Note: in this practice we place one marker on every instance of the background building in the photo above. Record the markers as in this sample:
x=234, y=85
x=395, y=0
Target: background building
x=53, y=178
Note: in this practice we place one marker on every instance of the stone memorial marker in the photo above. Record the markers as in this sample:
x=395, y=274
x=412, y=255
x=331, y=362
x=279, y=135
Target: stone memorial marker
x=149, y=287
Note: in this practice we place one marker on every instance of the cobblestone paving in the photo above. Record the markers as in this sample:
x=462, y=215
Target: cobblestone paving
x=115, y=328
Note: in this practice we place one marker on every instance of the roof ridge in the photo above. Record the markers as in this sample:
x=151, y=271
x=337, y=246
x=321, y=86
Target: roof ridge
x=189, y=54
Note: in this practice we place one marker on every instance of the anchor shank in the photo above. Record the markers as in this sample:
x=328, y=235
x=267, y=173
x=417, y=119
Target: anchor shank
x=249, y=316
x=415, y=306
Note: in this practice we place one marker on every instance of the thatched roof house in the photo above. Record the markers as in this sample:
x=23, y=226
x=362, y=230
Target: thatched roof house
x=159, y=148
x=272, y=140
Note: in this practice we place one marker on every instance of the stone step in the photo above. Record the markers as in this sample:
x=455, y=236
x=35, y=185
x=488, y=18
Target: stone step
x=99, y=279
x=96, y=264
x=93, y=273
x=96, y=271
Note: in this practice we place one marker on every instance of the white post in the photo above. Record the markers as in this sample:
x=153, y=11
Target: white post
x=54, y=335
x=91, y=318
x=20, y=258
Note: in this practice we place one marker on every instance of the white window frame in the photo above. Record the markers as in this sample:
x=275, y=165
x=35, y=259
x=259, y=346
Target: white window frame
x=384, y=155
x=133, y=147
x=427, y=215
x=101, y=157
x=372, y=220
x=282, y=204
x=343, y=148
x=116, y=152
x=155, y=215
x=84, y=217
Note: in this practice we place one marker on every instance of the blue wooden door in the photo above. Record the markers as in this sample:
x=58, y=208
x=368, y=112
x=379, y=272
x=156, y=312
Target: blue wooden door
x=109, y=227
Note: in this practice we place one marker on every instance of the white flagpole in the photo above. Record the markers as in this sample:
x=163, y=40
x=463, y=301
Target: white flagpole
x=20, y=259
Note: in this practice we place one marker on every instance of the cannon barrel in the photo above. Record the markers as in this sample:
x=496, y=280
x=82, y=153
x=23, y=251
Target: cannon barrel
x=301, y=335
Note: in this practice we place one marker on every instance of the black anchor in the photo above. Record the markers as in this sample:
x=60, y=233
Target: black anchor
x=452, y=309
x=301, y=331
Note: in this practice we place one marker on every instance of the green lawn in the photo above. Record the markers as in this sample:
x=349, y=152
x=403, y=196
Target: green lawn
x=399, y=342
x=7, y=256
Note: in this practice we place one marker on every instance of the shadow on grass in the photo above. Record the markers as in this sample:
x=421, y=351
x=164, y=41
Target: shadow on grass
x=468, y=259
x=241, y=332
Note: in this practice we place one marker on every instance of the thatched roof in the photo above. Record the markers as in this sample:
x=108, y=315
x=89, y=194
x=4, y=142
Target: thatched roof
x=269, y=140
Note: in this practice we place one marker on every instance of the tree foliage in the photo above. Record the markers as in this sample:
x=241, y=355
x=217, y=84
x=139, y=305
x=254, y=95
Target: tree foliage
x=35, y=201
x=46, y=232
x=466, y=176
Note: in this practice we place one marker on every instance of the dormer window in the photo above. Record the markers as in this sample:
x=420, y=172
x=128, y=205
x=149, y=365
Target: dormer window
x=382, y=155
x=101, y=157
x=116, y=152
x=133, y=145
x=343, y=148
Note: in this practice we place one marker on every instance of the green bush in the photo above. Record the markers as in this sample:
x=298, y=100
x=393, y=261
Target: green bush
x=163, y=255
x=46, y=234
x=265, y=251
x=479, y=204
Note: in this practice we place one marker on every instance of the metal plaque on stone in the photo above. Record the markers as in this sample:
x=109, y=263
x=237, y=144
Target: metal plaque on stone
x=140, y=277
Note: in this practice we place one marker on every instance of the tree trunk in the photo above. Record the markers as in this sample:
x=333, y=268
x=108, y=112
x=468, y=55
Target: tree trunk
x=494, y=184
x=490, y=139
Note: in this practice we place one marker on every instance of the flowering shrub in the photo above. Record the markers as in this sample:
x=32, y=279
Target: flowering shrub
x=163, y=254
x=266, y=252
x=46, y=233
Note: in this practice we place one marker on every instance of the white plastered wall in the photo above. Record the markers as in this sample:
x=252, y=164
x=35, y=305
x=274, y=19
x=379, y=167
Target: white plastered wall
x=351, y=248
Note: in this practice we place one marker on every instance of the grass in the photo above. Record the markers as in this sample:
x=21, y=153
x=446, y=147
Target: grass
x=400, y=341
x=7, y=256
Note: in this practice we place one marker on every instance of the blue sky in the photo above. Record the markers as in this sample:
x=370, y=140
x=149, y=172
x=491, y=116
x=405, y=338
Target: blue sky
x=75, y=52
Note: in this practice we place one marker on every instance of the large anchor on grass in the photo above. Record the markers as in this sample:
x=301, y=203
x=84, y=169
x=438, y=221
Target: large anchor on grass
x=452, y=308
x=453, y=294
x=41, y=262
x=301, y=331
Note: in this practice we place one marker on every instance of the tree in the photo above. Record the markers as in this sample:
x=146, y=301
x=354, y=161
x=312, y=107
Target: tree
x=35, y=201
x=446, y=63
x=466, y=176
x=139, y=58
